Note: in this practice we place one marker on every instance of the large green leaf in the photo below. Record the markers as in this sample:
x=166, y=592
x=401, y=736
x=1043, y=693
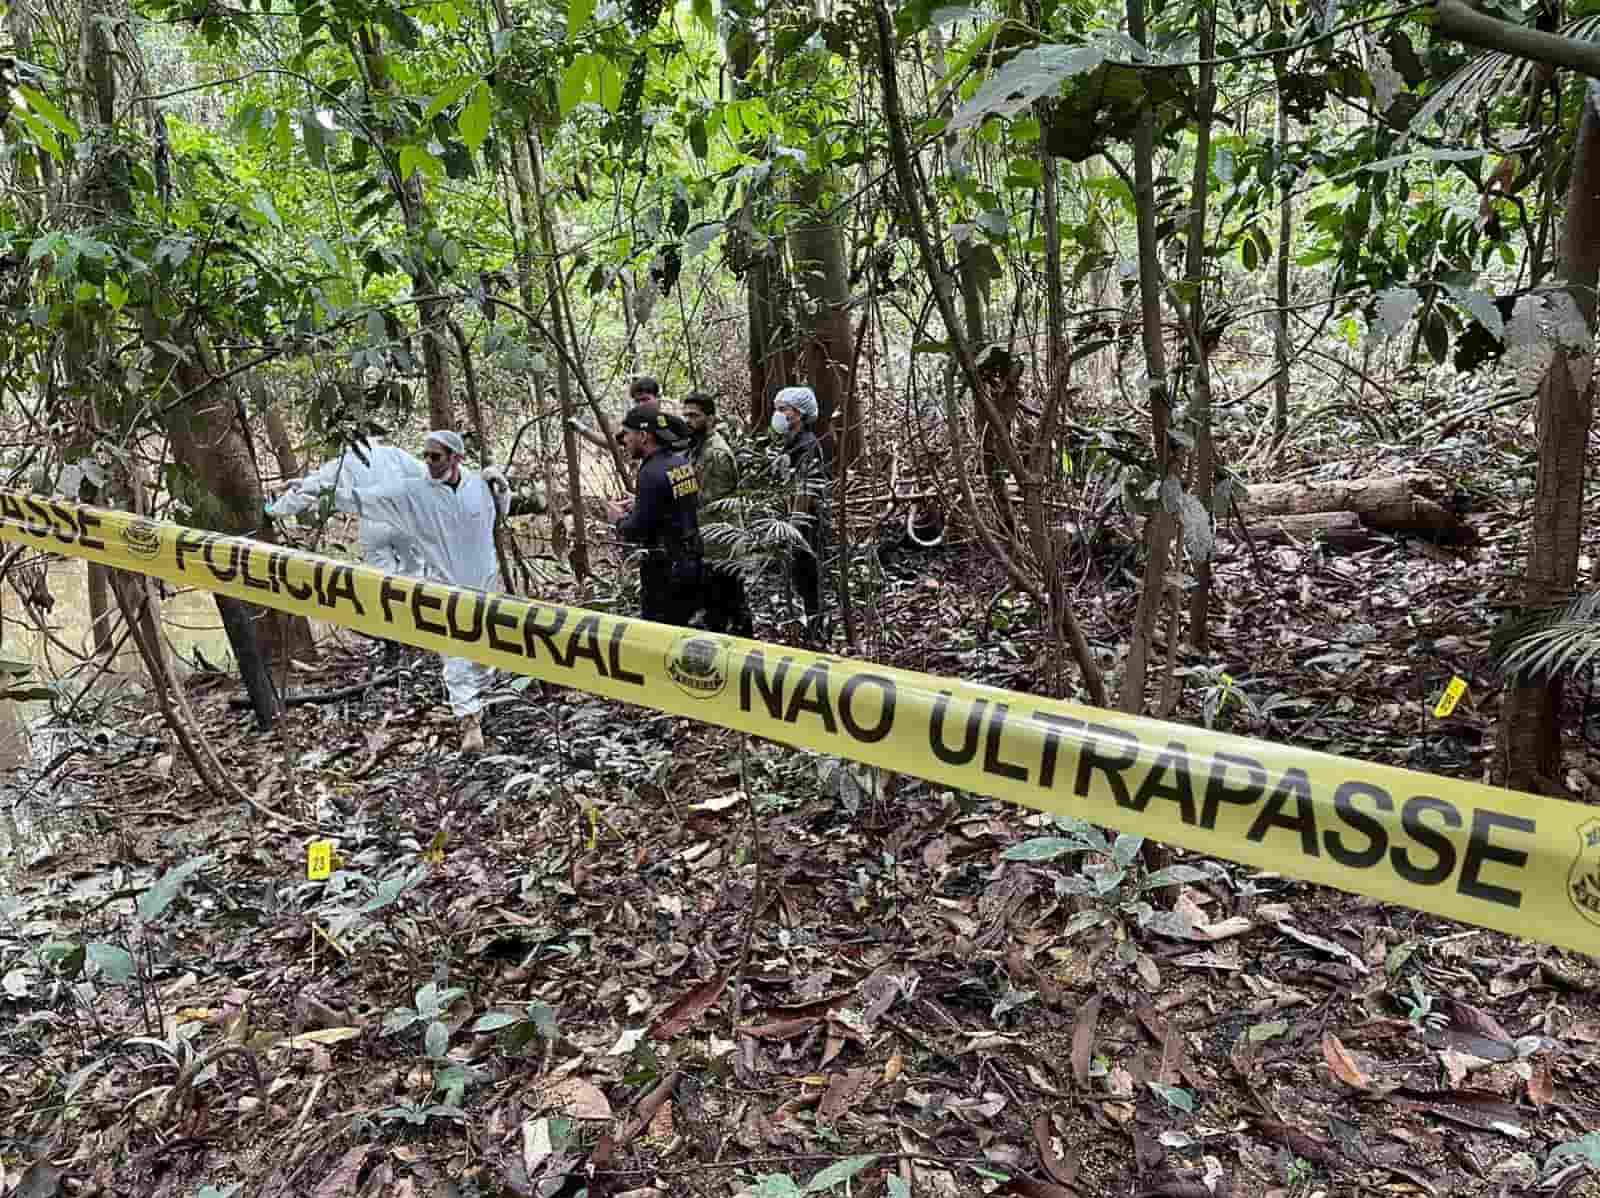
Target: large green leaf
x=47, y=111
x=448, y=97
x=315, y=138
x=1032, y=74
x=579, y=13
x=159, y=897
x=476, y=116
x=575, y=82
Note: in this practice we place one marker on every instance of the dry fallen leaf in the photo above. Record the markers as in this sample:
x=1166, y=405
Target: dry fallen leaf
x=577, y=1097
x=683, y=1014
x=1541, y=1089
x=1342, y=1064
x=661, y=1123
x=894, y=1066
x=327, y=1035
x=1083, y=1039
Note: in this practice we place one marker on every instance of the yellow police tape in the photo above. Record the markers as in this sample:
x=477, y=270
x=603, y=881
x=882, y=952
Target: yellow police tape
x=1522, y=864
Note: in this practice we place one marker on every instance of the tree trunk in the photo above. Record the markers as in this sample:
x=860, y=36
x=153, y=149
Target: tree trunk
x=562, y=332
x=1530, y=728
x=101, y=607
x=432, y=311
x=816, y=251
x=278, y=439
x=1161, y=529
x=771, y=339
x=1195, y=272
x=1280, y=322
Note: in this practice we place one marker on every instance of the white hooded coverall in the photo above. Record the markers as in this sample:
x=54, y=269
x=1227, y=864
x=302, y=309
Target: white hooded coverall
x=384, y=546
x=454, y=527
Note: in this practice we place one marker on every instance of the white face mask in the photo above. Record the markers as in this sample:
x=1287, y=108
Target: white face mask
x=780, y=423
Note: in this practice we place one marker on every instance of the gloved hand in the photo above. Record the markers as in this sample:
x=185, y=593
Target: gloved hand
x=496, y=478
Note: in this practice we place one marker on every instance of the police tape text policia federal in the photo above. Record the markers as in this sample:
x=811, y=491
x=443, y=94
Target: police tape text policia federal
x=662, y=519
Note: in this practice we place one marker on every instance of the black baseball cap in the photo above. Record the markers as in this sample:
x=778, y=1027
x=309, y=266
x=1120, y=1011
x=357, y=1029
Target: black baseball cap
x=649, y=418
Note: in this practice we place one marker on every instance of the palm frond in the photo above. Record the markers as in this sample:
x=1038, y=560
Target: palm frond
x=1488, y=79
x=1546, y=645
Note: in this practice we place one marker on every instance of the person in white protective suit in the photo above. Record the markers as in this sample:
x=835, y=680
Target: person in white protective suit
x=452, y=514
x=385, y=546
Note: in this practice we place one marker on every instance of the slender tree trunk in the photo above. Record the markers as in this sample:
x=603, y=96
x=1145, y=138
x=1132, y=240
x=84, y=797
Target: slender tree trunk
x=101, y=607
x=1530, y=724
x=432, y=311
x=1161, y=528
x=561, y=330
x=1280, y=324
x=278, y=435
x=1195, y=270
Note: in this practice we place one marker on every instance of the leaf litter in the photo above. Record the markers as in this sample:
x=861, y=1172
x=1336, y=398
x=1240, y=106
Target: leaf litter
x=564, y=965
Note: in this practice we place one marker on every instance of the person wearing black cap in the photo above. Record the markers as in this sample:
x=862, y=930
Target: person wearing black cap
x=663, y=518
x=644, y=389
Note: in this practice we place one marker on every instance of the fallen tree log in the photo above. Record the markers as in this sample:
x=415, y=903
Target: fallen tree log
x=1342, y=531
x=1416, y=503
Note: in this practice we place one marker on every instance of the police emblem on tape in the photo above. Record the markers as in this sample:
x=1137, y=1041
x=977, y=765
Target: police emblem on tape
x=1583, y=879
x=142, y=539
x=697, y=662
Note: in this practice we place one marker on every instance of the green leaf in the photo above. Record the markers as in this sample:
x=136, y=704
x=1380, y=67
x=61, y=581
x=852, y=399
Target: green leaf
x=1044, y=848
x=437, y=1039
x=898, y=1187
x=116, y=964
x=283, y=134
x=41, y=132
x=495, y=1020
x=393, y=889
x=838, y=1173
x=575, y=82
x=1032, y=74
x=579, y=14
x=415, y=158
x=776, y=1185
x=610, y=80
x=324, y=252
x=448, y=97
x=159, y=897
x=697, y=137
x=1175, y=1097
x=47, y=111
x=476, y=117
x=706, y=16
x=262, y=203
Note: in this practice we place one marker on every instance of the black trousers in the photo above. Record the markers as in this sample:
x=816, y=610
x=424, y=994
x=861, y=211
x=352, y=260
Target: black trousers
x=722, y=592
x=669, y=590
x=805, y=570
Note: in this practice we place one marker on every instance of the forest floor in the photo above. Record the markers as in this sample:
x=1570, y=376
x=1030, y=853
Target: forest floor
x=525, y=977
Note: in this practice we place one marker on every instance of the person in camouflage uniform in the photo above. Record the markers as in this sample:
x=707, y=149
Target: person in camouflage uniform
x=722, y=585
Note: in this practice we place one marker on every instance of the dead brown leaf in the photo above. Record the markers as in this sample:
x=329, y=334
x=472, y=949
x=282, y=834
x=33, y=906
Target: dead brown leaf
x=844, y=1090
x=1298, y=1142
x=686, y=1012
x=1342, y=1064
x=1062, y=1169
x=781, y=1029
x=1026, y=1187
x=1083, y=1031
x=1541, y=1089
x=661, y=1125
x=342, y=1178
x=578, y=1098
x=1473, y=1019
